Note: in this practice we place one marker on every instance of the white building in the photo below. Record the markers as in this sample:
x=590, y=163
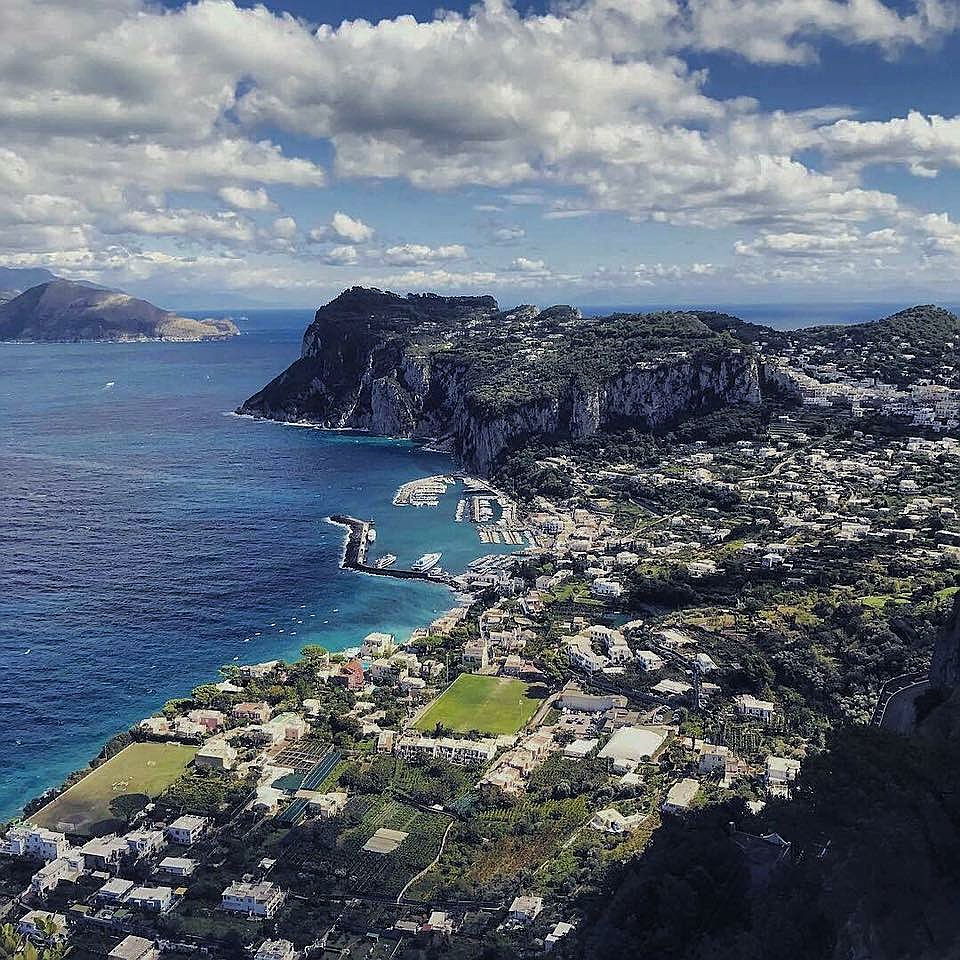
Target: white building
x=606, y=589
x=216, y=754
x=134, y=948
x=27, y=840
x=328, y=805
x=252, y=899
x=154, y=899
x=178, y=866
x=48, y=877
x=275, y=950
x=750, y=706
x=32, y=925
x=142, y=843
x=525, y=909
x=115, y=890
x=648, y=661
x=559, y=931
x=629, y=746
x=781, y=772
x=680, y=796
x=187, y=829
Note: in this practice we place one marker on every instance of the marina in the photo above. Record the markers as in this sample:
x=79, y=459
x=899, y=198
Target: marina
x=355, y=555
x=422, y=492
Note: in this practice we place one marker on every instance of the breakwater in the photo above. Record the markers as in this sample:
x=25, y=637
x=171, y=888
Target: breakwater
x=355, y=554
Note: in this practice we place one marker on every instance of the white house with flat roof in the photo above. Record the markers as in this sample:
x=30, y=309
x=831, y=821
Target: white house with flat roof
x=142, y=843
x=559, y=931
x=35, y=925
x=629, y=746
x=115, y=890
x=134, y=948
x=49, y=876
x=177, y=866
x=680, y=796
x=252, y=899
x=27, y=840
x=525, y=908
x=187, y=829
x=275, y=950
x=154, y=899
x=749, y=706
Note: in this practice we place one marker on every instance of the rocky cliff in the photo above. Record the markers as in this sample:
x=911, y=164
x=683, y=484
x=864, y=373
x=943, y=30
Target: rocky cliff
x=459, y=368
x=945, y=662
x=64, y=310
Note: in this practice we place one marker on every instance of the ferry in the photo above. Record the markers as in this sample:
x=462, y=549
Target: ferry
x=427, y=562
x=387, y=560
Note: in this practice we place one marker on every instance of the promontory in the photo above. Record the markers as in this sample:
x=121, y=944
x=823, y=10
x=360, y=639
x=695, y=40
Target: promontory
x=64, y=310
x=483, y=379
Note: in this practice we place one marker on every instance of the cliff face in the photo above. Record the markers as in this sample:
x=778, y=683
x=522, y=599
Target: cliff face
x=458, y=368
x=945, y=662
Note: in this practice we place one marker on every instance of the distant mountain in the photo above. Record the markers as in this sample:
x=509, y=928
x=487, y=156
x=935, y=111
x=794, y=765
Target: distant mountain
x=14, y=280
x=65, y=310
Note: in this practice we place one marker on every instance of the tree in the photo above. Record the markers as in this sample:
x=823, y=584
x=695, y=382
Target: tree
x=15, y=946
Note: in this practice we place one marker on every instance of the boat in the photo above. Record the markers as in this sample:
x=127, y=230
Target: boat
x=371, y=535
x=426, y=562
x=387, y=560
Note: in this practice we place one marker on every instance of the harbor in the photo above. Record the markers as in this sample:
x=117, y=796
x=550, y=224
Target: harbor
x=355, y=555
x=493, y=515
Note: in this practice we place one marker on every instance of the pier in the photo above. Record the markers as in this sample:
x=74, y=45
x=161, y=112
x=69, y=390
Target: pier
x=355, y=554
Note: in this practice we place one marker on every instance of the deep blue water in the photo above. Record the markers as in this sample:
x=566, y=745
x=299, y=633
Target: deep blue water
x=145, y=533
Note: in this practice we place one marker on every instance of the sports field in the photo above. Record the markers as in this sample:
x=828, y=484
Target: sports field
x=488, y=704
x=141, y=768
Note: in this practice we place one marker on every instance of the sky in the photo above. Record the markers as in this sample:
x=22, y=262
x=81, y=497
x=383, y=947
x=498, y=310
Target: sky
x=221, y=153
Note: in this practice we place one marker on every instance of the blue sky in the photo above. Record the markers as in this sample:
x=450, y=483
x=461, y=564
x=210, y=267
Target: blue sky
x=584, y=151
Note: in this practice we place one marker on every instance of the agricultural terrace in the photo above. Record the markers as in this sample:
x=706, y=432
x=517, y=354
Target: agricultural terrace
x=494, y=705
x=94, y=803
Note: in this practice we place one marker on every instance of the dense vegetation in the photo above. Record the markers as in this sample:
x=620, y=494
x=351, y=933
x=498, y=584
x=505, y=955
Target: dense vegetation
x=874, y=868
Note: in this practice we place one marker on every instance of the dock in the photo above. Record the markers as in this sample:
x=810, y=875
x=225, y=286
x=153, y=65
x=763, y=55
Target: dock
x=355, y=554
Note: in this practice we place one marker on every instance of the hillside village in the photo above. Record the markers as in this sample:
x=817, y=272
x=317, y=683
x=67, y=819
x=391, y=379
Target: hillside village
x=684, y=630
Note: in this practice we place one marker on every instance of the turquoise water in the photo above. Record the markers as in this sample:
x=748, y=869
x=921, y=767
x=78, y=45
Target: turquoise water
x=147, y=536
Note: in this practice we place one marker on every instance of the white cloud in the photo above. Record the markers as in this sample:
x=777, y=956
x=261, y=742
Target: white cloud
x=884, y=241
x=224, y=227
x=417, y=254
x=507, y=234
x=341, y=256
x=526, y=265
x=353, y=231
x=922, y=144
x=242, y=199
x=285, y=228
x=785, y=31
x=592, y=107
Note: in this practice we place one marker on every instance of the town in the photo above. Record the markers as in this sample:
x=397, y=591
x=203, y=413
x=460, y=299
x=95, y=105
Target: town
x=682, y=628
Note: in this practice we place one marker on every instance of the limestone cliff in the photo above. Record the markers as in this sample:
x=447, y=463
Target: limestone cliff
x=462, y=369
x=945, y=663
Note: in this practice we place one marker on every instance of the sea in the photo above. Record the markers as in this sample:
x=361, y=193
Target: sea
x=148, y=536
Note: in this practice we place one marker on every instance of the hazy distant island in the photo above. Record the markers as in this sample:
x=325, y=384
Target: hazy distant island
x=64, y=310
